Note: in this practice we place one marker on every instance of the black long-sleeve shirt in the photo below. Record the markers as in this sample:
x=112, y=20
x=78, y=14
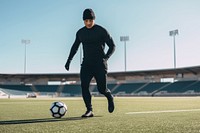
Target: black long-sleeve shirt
x=93, y=41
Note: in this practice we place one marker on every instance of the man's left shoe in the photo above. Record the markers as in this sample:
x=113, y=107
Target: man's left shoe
x=111, y=105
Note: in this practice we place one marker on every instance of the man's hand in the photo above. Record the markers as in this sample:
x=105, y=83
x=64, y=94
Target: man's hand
x=105, y=58
x=67, y=65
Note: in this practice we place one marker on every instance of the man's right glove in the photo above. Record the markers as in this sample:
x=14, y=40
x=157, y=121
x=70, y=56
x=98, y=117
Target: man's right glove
x=67, y=64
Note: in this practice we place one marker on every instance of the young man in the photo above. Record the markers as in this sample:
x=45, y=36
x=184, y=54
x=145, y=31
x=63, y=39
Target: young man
x=93, y=38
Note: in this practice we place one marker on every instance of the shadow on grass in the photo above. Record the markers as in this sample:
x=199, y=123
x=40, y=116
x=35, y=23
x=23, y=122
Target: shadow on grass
x=28, y=121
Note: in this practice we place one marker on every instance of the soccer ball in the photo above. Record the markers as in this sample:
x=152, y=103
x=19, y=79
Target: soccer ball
x=58, y=109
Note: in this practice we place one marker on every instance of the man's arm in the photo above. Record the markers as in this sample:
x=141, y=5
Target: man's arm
x=73, y=51
x=109, y=41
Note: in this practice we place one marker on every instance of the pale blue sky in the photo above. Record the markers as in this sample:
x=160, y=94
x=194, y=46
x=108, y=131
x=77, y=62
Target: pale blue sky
x=51, y=26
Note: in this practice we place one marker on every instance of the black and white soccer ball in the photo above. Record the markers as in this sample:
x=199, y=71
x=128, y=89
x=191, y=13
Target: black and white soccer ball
x=58, y=109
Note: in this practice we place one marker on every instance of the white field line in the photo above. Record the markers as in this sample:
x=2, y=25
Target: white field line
x=162, y=111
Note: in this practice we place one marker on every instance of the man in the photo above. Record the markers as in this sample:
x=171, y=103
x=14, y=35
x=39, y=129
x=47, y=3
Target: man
x=93, y=38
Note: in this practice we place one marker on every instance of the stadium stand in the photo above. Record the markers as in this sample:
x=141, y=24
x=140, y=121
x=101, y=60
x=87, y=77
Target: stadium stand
x=177, y=87
x=195, y=86
x=127, y=88
x=152, y=87
x=183, y=82
x=124, y=89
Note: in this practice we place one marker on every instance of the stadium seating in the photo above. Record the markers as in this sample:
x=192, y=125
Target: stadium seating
x=16, y=89
x=177, y=87
x=127, y=88
x=195, y=86
x=158, y=88
x=151, y=87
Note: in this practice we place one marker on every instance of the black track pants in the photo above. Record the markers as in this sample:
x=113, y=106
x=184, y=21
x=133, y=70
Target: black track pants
x=100, y=75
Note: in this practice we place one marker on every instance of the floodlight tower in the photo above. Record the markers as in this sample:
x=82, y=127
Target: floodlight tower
x=124, y=39
x=173, y=33
x=25, y=42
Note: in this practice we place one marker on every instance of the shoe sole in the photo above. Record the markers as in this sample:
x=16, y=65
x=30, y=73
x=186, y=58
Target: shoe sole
x=87, y=116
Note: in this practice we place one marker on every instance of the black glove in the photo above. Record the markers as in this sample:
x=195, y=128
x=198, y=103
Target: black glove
x=67, y=65
x=105, y=58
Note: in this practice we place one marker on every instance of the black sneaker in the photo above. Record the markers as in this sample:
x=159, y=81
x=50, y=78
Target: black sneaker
x=111, y=105
x=88, y=114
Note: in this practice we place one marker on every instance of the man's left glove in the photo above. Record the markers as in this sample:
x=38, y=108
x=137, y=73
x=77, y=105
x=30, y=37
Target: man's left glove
x=105, y=58
x=67, y=64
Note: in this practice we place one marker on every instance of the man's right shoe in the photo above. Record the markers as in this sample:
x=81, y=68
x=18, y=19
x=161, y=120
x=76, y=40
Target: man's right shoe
x=88, y=114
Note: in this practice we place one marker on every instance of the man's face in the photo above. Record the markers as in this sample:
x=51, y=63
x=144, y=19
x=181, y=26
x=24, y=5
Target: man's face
x=89, y=23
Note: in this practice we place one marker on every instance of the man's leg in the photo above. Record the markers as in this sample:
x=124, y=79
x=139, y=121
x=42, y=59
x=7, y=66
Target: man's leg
x=101, y=79
x=86, y=76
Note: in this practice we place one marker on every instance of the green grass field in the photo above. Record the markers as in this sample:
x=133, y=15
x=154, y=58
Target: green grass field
x=33, y=116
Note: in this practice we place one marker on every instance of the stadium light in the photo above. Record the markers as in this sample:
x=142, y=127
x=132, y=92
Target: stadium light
x=173, y=33
x=25, y=42
x=124, y=39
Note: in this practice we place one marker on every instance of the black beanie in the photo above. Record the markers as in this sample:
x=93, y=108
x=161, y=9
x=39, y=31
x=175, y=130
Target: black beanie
x=88, y=14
